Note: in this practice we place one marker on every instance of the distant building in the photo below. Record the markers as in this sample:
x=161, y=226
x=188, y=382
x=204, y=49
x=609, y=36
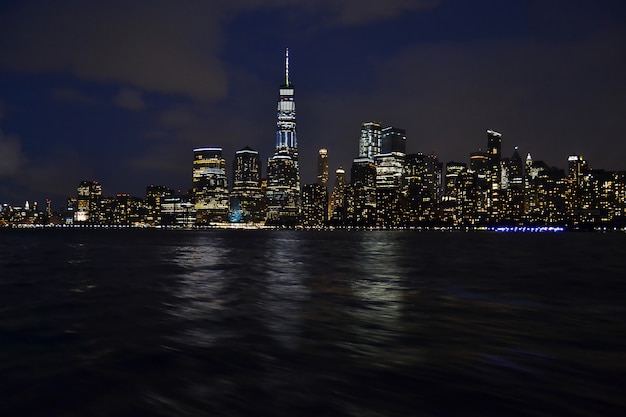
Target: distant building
x=337, y=207
x=154, y=197
x=322, y=168
x=423, y=188
x=314, y=205
x=178, y=210
x=246, y=198
x=210, y=186
x=454, y=193
x=362, y=206
x=283, y=172
x=494, y=176
x=88, y=203
x=390, y=175
x=514, y=210
x=370, y=141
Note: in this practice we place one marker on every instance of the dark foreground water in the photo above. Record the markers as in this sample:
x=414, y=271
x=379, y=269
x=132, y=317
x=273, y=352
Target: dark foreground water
x=295, y=323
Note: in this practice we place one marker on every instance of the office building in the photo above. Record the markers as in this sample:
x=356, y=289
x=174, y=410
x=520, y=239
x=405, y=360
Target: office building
x=322, y=168
x=390, y=165
x=246, y=199
x=88, y=203
x=494, y=175
x=283, y=173
x=362, y=207
x=370, y=141
x=337, y=206
x=152, y=204
x=422, y=188
x=314, y=205
x=210, y=186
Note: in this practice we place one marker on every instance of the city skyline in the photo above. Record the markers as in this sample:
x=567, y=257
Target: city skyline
x=125, y=101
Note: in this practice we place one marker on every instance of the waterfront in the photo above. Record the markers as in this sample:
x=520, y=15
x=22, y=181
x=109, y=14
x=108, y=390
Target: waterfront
x=284, y=323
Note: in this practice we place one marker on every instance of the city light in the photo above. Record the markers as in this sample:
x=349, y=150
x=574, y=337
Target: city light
x=386, y=189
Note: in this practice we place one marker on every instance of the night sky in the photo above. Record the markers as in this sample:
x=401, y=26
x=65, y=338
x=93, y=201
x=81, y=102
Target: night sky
x=121, y=92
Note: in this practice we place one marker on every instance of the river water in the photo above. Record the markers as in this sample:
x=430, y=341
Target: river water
x=308, y=323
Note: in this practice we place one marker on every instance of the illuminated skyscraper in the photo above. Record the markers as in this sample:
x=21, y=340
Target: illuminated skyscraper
x=423, y=188
x=322, y=168
x=370, y=141
x=576, y=198
x=515, y=191
x=362, y=210
x=246, y=199
x=154, y=198
x=494, y=146
x=88, y=204
x=283, y=174
x=210, y=185
x=390, y=176
x=314, y=205
x=337, y=207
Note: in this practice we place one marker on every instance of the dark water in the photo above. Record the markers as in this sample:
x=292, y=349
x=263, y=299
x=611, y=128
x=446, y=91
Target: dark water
x=285, y=323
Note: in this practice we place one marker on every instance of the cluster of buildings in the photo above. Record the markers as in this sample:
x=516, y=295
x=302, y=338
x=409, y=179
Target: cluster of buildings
x=387, y=188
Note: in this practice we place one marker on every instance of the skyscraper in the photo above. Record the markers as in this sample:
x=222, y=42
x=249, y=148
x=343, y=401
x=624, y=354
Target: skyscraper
x=88, y=207
x=337, y=206
x=283, y=174
x=515, y=192
x=577, y=176
x=154, y=198
x=494, y=146
x=370, y=141
x=423, y=186
x=362, y=211
x=390, y=173
x=322, y=168
x=210, y=185
x=393, y=140
x=246, y=199
x=494, y=152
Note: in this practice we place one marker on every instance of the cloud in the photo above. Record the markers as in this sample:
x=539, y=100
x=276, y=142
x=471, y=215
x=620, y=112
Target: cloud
x=338, y=12
x=50, y=177
x=73, y=96
x=153, y=45
x=551, y=99
x=359, y=12
x=10, y=155
x=129, y=99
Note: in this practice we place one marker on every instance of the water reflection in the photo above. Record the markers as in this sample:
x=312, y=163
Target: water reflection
x=296, y=323
x=284, y=292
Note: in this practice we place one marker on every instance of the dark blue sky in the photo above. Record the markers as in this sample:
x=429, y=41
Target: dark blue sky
x=122, y=93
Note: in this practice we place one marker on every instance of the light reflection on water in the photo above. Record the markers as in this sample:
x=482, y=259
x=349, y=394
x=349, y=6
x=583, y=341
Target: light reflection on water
x=345, y=315
x=283, y=323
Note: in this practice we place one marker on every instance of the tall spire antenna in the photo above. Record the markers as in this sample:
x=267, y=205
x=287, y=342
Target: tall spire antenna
x=286, y=66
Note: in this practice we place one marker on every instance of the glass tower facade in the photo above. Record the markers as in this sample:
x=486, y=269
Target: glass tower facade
x=322, y=168
x=494, y=151
x=210, y=185
x=370, y=141
x=283, y=174
x=246, y=199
